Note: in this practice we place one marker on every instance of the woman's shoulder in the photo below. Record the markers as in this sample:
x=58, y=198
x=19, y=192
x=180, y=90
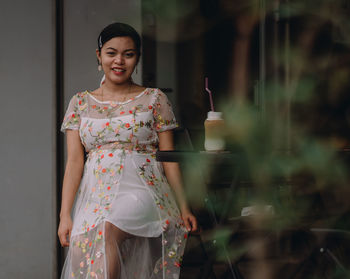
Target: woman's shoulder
x=79, y=99
x=96, y=92
x=139, y=88
x=156, y=92
x=80, y=94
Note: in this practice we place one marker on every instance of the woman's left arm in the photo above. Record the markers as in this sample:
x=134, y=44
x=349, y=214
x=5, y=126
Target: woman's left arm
x=174, y=177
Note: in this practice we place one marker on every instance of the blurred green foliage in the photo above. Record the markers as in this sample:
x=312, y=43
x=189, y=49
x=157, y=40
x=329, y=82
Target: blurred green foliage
x=292, y=147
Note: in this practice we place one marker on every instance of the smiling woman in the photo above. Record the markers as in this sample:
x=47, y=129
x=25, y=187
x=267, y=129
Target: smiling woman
x=126, y=222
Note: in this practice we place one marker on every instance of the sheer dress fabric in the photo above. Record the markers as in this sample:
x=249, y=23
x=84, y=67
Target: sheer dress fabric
x=125, y=186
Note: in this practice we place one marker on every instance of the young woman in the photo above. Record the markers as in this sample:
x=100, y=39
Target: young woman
x=126, y=223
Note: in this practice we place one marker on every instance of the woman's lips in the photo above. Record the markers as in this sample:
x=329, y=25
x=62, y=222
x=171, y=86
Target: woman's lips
x=118, y=72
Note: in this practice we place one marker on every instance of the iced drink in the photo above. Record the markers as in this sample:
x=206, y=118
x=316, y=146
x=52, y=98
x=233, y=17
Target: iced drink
x=214, y=130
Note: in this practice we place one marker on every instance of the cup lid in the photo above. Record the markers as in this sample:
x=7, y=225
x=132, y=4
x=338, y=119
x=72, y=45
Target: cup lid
x=214, y=115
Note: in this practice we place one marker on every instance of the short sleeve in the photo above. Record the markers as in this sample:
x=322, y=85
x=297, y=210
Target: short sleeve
x=71, y=119
x=164, y=118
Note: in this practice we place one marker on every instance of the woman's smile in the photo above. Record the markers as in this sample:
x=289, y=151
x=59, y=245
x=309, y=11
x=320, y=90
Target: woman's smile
x=118, y=71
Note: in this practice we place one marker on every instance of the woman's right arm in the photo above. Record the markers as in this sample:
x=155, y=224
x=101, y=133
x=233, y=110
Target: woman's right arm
x=71, y=181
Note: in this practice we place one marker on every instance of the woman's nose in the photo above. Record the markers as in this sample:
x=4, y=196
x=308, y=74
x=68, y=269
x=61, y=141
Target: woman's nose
x=119, y=59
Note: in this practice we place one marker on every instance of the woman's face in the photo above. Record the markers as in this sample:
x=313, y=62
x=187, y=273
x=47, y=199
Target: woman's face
x=118, y=58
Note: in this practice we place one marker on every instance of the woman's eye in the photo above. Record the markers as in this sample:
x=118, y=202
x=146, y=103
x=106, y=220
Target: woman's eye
x=110, y=53
x=130, y=54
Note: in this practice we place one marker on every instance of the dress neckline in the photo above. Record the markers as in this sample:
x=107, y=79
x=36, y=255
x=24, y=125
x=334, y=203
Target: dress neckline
x=115, y=102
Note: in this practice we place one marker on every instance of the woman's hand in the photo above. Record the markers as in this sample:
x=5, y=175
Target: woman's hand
x=64, y=230
x=190, y=221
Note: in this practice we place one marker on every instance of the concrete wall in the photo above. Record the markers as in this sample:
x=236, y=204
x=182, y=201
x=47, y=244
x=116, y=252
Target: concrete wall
x=27, y=121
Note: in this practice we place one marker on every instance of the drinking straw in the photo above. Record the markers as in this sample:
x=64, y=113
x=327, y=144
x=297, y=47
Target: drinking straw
x=210, y=95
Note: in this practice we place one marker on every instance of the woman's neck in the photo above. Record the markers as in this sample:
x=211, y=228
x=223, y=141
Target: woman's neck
x=113, y=89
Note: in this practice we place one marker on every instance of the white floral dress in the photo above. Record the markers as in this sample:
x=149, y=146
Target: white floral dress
x=123, y=184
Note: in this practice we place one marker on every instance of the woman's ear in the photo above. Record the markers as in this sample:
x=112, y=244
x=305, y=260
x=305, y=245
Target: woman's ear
x=98, y=54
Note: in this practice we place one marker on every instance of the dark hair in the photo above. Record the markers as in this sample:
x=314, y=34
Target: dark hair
x=119, y=29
